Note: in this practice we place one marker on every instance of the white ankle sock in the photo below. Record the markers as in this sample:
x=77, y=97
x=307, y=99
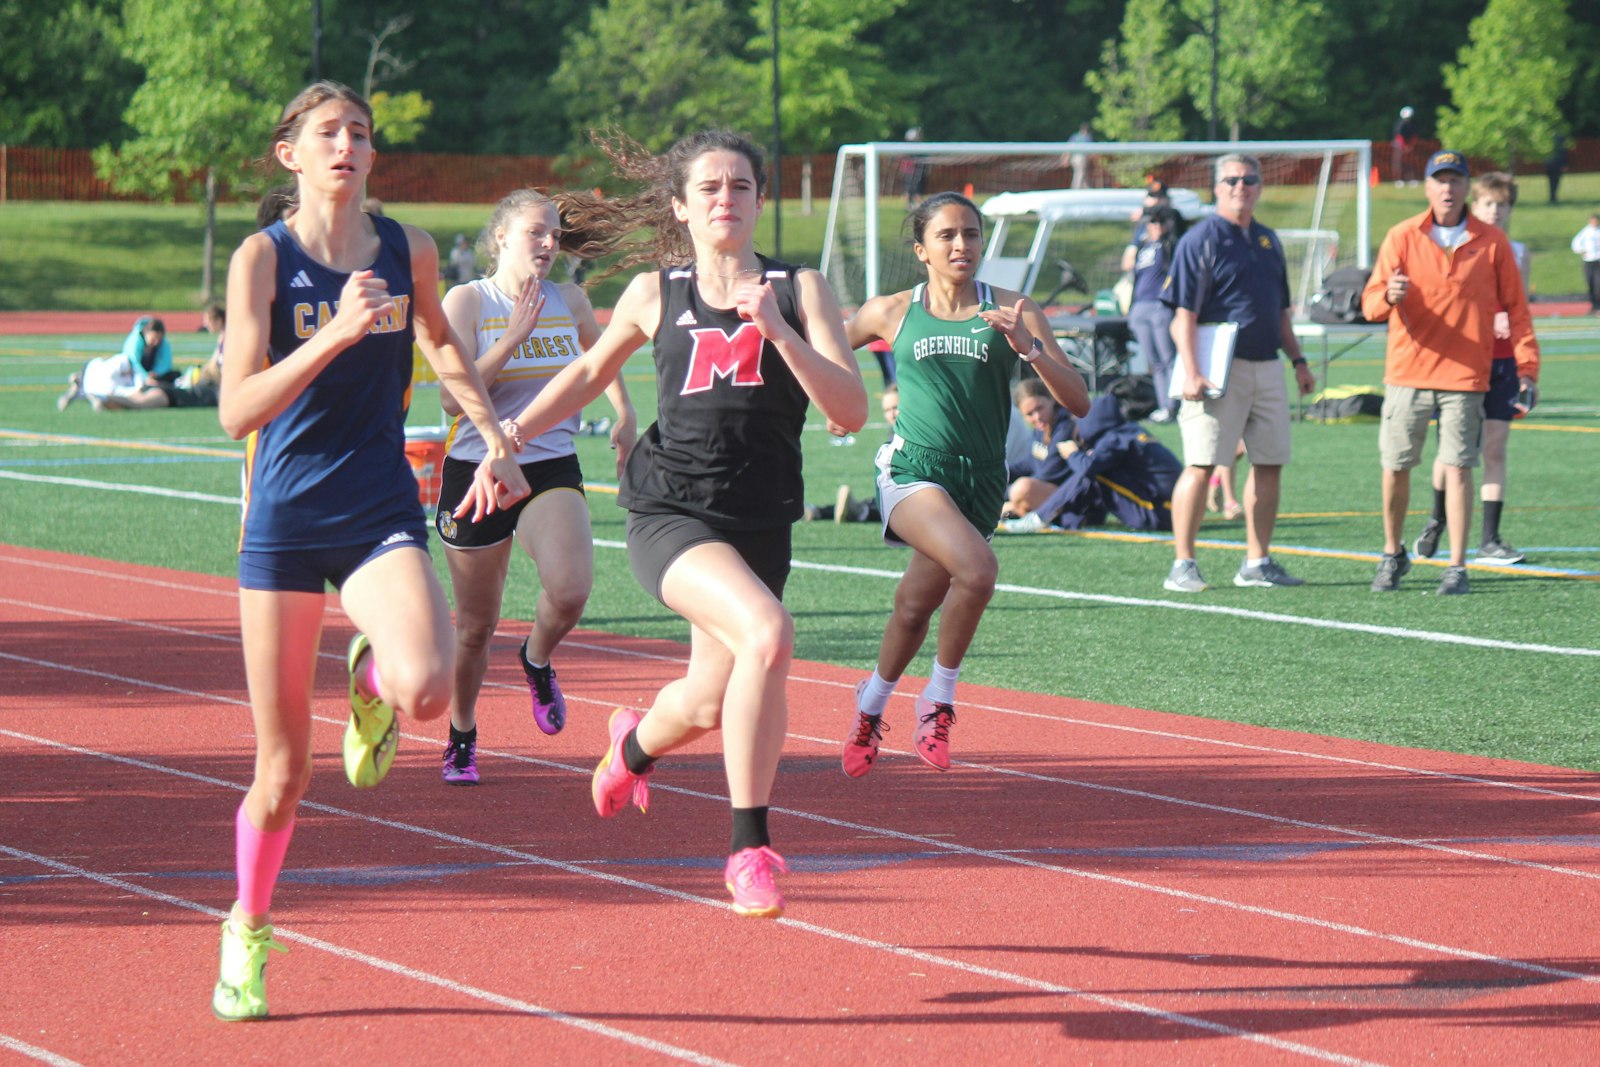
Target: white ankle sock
x=942, y=686
x=875, y=694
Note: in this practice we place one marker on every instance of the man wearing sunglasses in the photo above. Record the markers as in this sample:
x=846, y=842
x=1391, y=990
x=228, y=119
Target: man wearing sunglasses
x=1230, y=268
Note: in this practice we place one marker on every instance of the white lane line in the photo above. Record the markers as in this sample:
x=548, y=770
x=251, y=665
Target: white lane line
x=43, y=1055
x=354, y=956
x=860, y=828
x=118, y=487
x=1025, y=981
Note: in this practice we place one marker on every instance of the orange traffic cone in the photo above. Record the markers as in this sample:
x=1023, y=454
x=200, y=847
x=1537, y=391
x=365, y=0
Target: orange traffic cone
x=1372, y=179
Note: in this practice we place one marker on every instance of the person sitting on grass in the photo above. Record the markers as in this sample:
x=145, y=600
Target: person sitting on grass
x=1113, y=468
x=845, y=507
x=128, y=379
x=1037, y=476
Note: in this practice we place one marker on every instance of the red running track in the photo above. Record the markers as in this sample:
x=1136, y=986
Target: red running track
x=1089, y=883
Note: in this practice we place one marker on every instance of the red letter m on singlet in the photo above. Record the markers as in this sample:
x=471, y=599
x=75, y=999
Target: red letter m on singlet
x=716, y=355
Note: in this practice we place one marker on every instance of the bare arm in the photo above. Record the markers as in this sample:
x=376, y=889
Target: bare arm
x=625, y=429
x=586, y=377
x=443, y=349
x=461, y=307
x=1021, y=320
x=878, y=319
x=821, y=358
x=1185, y=337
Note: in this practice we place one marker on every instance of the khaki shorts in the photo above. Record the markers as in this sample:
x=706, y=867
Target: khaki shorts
x=1406, y=414
x=1255, y=409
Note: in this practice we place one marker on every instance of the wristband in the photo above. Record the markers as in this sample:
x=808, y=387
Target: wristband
x=1033, y=353
x=1301, y=362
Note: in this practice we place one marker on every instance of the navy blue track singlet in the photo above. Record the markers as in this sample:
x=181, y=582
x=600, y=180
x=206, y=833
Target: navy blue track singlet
x=330, y=470
x=725, y=447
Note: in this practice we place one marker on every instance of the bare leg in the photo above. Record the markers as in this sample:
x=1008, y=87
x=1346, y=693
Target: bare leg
x=1261, y=491
x=478, y=577
x=1188, y=505
x=554, y=529
x=281, y=632
x=952, y=570
x=1458, y=511
x=740, y=649
x=398, y=603
x=1396, y=499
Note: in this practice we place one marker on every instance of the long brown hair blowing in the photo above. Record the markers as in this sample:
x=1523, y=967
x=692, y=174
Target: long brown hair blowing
x=602, y=226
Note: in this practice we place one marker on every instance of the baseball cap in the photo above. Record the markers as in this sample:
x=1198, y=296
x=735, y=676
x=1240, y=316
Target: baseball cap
x=1406, y=112
x=1445, y=159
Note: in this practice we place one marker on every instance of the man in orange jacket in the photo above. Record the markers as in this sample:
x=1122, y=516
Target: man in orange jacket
x=1439, y=280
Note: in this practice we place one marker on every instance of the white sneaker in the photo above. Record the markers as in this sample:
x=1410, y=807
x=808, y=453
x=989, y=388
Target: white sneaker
x=1030, y=523
x=1185, y=578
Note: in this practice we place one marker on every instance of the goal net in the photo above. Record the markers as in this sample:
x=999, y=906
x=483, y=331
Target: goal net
x=1063, y=244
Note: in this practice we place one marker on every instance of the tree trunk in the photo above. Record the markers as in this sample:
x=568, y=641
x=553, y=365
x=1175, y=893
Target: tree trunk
x=805, y=185
x=208, y=284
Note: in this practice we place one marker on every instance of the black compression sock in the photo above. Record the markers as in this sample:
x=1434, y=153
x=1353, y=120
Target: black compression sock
x=461, y=736
x=634, y=757
x=1438, y=505
x=749, y=830
x=1491, y=520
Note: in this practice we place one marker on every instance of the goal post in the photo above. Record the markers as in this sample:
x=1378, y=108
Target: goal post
x=1316, y=197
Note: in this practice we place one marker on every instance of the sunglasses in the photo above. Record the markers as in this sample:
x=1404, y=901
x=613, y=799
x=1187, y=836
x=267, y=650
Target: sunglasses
x=1235, y=179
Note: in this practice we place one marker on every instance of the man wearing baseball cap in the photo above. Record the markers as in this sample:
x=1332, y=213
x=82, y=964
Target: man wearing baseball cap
x=1439, y=279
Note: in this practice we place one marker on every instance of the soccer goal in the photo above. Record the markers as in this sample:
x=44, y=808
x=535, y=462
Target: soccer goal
x=1064, y=244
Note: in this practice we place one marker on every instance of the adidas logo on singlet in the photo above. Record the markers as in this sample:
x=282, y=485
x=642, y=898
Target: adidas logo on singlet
x=687, y=319
x=300, y=281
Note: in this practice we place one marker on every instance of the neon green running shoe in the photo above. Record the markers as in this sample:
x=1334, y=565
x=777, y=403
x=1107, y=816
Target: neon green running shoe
x=371, y=734
x=241, y=992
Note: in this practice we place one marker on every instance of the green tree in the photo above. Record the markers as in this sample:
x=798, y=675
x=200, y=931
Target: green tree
x=213, y=90
x=396, y=118
x=835, y=87
x=656, y=68
x=63, y=78
x=1139, y=82
x=1507, y=83
x=1271, y=64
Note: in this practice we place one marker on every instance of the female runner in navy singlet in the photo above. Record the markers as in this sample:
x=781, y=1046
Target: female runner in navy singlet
x=323, y=309
x=742, y=344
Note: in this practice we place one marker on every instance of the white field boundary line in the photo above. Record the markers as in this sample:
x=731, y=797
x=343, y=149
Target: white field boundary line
x=855, y=940
x=35, y=1052
x=1171, y=735
x=378, y=962
x=860, y=828
x=144, y=490
x=1432, y=636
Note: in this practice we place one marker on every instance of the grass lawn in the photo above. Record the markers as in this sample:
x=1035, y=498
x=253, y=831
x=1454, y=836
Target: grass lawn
x=86, y=257
x=1509, y=671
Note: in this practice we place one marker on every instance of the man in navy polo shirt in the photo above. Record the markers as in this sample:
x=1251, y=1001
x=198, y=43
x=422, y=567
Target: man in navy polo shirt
x=1230, y=268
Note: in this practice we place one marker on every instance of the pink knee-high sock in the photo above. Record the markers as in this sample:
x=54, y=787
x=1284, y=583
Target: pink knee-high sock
x=258, y=856
x=369, y=677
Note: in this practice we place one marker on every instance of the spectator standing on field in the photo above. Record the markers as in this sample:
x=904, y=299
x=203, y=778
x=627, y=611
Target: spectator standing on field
x=1587, y=245
x=1439, y=279
x=1402, y=143
x=1230, y=268
x=1555, y=165
x=1079, y=161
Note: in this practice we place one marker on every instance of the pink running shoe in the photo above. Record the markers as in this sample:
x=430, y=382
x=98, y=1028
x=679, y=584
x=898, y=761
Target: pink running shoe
x=933, y=733
x=549, y=706
x=861, y=747
x=614, y=785
x=749, y=878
